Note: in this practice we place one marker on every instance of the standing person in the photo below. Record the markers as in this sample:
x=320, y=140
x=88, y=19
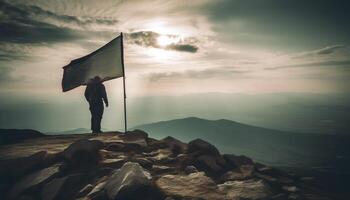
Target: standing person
x=95, y=94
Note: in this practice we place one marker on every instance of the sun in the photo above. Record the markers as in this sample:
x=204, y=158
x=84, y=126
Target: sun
x=164, y=40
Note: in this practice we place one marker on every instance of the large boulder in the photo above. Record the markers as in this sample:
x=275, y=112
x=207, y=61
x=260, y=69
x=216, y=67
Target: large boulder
x=33, y=181
x=130, y=182
x=136, y=137
x=234, y=161
x=62, y=188
x=83, y=153
x=193, y=186
x=212, y=165
x=176, y=146
x=200, y=147
x=28, y=164
x=249, y=189
x=244, y=172
x=98, y=191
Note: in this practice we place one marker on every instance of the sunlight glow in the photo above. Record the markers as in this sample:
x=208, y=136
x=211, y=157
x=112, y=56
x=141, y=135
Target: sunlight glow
x=163, y=40
x=162, y=55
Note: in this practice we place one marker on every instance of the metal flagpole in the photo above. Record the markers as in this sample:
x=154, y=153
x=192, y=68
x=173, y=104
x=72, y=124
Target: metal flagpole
x=122, y=52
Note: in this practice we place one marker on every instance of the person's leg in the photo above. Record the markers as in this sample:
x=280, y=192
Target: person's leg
x=99, y=118
x=94, y=119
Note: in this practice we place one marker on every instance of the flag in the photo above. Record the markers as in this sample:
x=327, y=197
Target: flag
x=106, y=62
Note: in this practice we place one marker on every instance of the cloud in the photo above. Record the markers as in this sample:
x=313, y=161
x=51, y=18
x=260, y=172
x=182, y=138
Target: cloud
x=221, y=72
x=330, y=56
x=280, y=25
x=319, y=52
x=183, y=47
x=5, y=74
x=25, y=13
x=150, y=39
x=327, y=63
x=330, y=49
x=32, y=24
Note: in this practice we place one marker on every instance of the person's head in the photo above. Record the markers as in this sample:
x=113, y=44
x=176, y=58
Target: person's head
x=97, y=79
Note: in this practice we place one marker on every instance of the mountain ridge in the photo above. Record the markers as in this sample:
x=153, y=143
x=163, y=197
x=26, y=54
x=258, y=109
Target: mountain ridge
x=270, y=146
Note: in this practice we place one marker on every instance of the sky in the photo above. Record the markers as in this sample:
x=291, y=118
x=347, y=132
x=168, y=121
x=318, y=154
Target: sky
x=176, y=48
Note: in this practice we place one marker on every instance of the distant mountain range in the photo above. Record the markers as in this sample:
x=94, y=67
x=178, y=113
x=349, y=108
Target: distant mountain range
x=274, y=147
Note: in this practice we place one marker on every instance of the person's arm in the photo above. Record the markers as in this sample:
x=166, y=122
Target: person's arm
x=86, y=93
x=104, y=95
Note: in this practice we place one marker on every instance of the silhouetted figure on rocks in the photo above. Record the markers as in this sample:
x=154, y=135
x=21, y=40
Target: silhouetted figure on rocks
x=95, y=94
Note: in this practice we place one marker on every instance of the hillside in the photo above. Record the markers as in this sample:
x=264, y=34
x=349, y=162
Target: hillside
x=279, y=148
x=133, y=166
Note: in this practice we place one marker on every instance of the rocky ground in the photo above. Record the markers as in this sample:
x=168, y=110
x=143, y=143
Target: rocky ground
x=133, y=166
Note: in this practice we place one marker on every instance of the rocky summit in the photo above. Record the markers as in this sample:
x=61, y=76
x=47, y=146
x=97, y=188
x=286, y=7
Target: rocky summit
x=133, y=166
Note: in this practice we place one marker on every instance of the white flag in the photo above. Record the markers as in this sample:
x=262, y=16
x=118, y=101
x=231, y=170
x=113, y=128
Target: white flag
x=106, y=62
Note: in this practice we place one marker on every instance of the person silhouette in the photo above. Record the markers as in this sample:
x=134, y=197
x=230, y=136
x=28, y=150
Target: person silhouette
x=95, y=94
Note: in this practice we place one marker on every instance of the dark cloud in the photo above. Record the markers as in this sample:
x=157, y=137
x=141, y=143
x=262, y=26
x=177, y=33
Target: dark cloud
x=293, y=24
x=9, y=53
x=143, y=38
x=183, y=47
x=149, y=39
x=222, y=72
x=32, y=24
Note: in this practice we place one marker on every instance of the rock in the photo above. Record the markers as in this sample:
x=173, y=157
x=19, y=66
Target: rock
x=113, y=163
x=97, y=190
x=270, y=171
x=83, y=153
x=234, y=161
x=115, y=146
x=201, y=147
x=266, y=178
x=135, y=134
x=176, y=146
x=25, y=197
x=209, y=164
x=33, y=180
x=307, y=179
x=154, y=144
x=286, y=181
x=162, y=154
x=51, y=190
x=86, y=190
x=136, y=137
x=249, y=189
x=245, y=172
x=195, y=185
x=160, y=169
x=28, y=164
x=129, y=182
x=232, y=176
x=110, y=154
x=294, y=197
x=144, y=162
x=280, y=196
x=62, y=188
x=190, y=169
x=290, y=188
x=183, y=159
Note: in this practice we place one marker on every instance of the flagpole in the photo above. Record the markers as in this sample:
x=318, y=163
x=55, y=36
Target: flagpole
x=122, y=52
